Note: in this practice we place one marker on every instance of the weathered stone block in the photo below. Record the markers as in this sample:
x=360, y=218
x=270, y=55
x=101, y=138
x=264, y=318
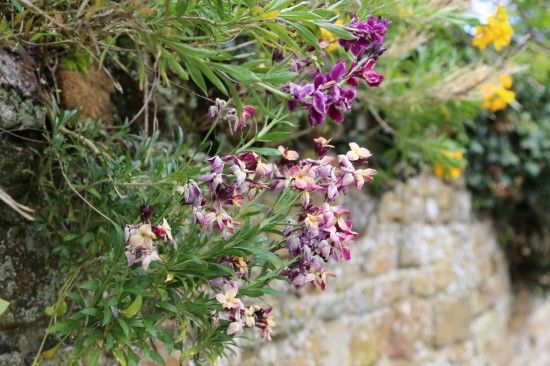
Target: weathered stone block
x=411, y=328
x=452, y=317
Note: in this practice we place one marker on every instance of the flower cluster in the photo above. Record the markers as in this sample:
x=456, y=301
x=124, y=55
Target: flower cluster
x=223, y=112
x=326, y=95
x=322, y=232
x=368, y=37
x=231, y=179
x=497, y=96
x=497, y=31
x=140, y=240
x=318, y=231
x=240, y=316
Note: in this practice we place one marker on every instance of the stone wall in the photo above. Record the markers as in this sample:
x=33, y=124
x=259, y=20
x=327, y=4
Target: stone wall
x=427, y=285
x=28, y=275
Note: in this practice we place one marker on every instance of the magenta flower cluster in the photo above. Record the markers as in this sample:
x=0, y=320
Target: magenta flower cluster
x=319, y=232
x=332, y=94
x=368, y=37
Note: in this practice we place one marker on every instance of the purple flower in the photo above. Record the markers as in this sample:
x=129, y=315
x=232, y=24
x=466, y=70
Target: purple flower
x=369, y=37
x=324, y=96
x=215, y=177
x=373, y=78
x=192, y=194
x=341, y=101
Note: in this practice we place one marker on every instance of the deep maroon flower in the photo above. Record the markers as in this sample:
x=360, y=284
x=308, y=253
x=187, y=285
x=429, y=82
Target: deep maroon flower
x=145, y=212
x=249, y=159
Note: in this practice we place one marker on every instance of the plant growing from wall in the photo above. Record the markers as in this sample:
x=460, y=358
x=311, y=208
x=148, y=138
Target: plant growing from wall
x=176, y=241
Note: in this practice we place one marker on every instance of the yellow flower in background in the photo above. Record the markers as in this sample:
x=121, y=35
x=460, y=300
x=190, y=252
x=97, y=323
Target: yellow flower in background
x=329, y=41
x=452, y=172
x=497, y=31
x=506, y=81
x=497, y=97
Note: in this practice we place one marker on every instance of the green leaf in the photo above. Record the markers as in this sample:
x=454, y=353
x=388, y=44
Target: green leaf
x=91, y=285
x=336, y=30
x=239, y=73
x=119, y=356
x=124, y=326
x=107, y=315
x=176, y=67
x=134, y=307
x=196, y=74
x=90, y=311
x=265, y=151
x=277, y=4
x=206, y=70
x=94, y=358
x=273, y=136
x=3, y=306
x=282, y=32
x=61, y=328
x=306, y=35
x=167, y=306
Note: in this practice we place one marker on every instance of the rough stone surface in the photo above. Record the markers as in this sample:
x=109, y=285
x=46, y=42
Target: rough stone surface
x=28, y=279
x=427, y=285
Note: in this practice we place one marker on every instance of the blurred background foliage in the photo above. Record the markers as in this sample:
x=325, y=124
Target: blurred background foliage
x=509, y=153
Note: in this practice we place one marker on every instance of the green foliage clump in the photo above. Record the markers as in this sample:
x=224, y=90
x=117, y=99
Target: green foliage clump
x=107, y=306
x=509, y=156
x=508, y=172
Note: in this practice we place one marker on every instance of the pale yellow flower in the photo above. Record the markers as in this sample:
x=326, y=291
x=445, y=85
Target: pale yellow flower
x=142, y=238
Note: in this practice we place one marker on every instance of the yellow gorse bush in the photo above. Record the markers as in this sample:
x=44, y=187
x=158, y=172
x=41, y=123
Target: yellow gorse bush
x=497, y=31
x=497, y=96
x=452, y=172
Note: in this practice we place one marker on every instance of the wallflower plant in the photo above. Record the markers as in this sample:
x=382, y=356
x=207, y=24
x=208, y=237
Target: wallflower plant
x=175, y=243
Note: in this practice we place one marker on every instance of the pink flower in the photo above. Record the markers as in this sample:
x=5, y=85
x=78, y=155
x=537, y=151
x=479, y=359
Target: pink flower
x=287, y=154
x=192, y=194
x=302, y=178
x=247, y=113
